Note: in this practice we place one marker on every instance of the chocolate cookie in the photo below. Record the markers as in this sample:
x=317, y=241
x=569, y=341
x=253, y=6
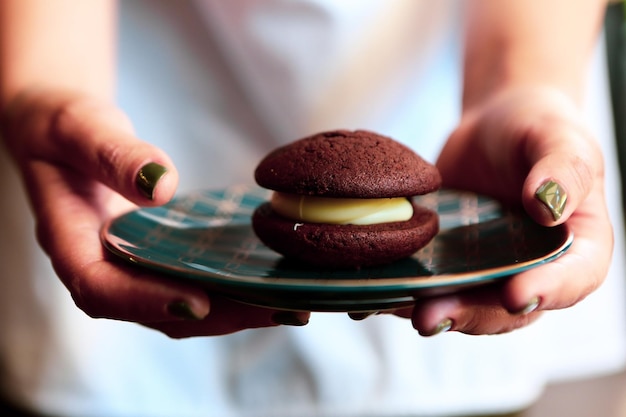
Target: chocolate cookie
x=347, y=164
x=342, y=200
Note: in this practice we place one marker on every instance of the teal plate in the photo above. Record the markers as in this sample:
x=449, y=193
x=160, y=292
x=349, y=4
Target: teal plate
x=206, y=237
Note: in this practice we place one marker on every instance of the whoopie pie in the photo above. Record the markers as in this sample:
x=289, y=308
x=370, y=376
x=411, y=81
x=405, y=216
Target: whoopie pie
x=342, y=199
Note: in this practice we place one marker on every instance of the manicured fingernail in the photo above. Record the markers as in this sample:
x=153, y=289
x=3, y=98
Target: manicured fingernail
x=360, y=315
x=148, y=177
x=443, y=326
x=531, y=306
x=554, y=197
x=182, y=310
x=289, y=318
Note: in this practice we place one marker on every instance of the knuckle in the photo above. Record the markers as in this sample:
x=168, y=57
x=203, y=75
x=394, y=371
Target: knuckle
x=519, y=321
x=67, y=121
x=582, y=173
x=571, y=147
x=594, y=281
x=587, y=162
x=497, y=321
x=83, y=301
x=87, y=293
x=77, y=122
x=77, y=116
x=110, y=158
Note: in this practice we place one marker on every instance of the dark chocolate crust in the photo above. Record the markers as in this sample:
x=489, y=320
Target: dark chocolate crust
x=348, y=164
x=344, y=246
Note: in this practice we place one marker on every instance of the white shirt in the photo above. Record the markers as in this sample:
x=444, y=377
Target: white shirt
x=217, y=84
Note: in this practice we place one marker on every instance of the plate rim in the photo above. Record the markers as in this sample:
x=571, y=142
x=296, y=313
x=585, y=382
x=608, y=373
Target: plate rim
x=115, y=245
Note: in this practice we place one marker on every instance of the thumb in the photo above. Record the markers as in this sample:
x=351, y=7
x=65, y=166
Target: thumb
x=565, y=162
x=97, y=139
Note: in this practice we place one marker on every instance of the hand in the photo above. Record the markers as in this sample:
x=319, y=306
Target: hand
x=80, y=160
x=508, y=148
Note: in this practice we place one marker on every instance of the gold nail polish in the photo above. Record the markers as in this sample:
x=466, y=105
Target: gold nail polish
x=442, y=327
x=148, y=177
x=531, y=306
x=554, y=197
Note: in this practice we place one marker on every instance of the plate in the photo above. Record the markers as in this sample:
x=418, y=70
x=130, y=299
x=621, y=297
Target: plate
x=206, y=237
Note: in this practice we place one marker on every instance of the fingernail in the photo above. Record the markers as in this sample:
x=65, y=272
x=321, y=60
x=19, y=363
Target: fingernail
x=531, y=306
x=182, y=310
x=289, y=318
x=360, y=315
x=148, y=177
x=554, y=197
x=443, y=326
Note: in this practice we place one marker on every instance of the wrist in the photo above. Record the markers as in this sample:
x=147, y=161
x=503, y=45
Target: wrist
x=552, y=98
x=517, y=69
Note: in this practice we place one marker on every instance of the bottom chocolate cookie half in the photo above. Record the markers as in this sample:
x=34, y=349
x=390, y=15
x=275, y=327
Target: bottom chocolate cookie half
x=345, y=246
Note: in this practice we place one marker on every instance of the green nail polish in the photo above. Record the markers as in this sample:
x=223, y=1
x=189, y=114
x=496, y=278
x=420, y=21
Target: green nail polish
x=289, y=318
x=360, y=315
x=442, y=327
x=182, y=310
x=554, y=197
x=148, y=177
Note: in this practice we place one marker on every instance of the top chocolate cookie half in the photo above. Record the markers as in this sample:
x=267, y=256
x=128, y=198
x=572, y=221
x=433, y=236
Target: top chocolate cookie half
x=347, y=164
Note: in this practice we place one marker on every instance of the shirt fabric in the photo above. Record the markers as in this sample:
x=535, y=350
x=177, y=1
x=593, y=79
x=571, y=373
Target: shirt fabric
x=218, y=84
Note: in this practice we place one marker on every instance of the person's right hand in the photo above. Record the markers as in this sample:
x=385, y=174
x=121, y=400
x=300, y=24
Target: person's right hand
x=81, y=164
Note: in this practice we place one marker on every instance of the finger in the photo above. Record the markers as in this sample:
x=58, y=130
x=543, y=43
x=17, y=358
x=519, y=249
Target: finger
x=406, y=312
x=471, y=312
x=582, y=269
x=517, y=302
x=565, y=163
x=228, y=316
x=105, y=287
x=94, y=138
x=98, y=140
x=69, y=211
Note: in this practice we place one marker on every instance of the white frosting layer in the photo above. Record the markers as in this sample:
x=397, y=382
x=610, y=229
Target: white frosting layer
x=341, y=210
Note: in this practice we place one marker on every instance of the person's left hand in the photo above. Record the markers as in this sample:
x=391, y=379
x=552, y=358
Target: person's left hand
x=507, y=148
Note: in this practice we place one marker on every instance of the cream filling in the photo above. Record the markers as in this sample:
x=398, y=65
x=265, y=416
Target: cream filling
x=357, y=211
